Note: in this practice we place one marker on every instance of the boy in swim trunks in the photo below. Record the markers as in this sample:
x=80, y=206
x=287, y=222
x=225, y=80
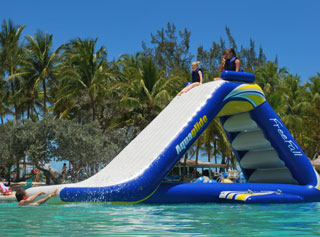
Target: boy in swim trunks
x=24, y=200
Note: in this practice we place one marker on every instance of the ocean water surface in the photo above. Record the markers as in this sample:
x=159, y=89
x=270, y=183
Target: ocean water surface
x=83, y=219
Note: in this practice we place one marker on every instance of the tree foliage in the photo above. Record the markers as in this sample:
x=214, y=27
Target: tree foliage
x=72, y=104
x=170, y=51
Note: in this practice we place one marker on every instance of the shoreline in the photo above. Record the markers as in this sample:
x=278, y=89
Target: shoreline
x=17, y=185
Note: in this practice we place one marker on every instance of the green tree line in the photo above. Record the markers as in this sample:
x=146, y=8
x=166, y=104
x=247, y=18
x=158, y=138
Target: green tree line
x=71, y=103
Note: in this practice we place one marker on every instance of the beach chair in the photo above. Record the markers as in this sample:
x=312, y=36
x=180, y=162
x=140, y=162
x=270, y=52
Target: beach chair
x=28, y=184
x=5, y=190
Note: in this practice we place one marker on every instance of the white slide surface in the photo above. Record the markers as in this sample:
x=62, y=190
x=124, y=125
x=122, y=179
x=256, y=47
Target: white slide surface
x=148, y=146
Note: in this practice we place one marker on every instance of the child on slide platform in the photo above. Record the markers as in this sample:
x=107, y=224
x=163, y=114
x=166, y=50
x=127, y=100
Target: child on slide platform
x=197, y=78
x=229, y=62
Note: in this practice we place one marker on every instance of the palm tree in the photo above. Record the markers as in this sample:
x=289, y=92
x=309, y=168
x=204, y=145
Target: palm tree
x=311, y=115
x=10, y=57
x=30, y=95
x=2, y=92
x=269, y=77
x=4, y=106
x=83, y=74
x=290, y=109
x=143, y=90
x=39, y=66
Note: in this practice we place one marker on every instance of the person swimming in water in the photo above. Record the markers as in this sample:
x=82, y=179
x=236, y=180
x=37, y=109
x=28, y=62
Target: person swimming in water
x=24, y=199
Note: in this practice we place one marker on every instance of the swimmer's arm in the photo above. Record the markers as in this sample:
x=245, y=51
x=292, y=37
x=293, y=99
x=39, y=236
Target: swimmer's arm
x=43, y=200
x=34, y=196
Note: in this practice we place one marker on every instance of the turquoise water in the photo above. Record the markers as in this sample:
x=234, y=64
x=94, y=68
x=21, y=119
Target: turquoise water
x=183, y=219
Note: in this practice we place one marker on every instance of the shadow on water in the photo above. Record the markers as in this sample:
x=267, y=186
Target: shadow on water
x=187, y=219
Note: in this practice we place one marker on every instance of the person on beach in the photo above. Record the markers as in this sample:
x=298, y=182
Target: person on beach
x=229, y=62
x=24, y=200
x=64, y=172
x=36, y=174
x=197, y=78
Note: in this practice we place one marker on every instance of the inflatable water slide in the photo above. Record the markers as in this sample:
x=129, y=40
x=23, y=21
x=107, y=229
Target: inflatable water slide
x=275, y=167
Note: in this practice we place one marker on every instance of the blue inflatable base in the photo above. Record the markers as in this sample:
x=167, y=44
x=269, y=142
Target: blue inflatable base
x=173, y=193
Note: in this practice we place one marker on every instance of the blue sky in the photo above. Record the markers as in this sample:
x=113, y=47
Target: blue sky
x=287, y=29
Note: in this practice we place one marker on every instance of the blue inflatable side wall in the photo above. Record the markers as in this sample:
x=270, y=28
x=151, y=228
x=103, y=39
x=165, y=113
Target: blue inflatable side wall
x=287, y=148
x=284, y=144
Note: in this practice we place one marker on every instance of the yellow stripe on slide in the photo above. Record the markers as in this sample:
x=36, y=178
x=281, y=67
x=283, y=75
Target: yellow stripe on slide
x=234, y=107
x=135, y=202
x=258, y=99
x=245, y=196
x=253, y=86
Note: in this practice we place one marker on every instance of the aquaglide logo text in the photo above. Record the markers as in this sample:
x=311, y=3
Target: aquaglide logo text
x=182, y=146
x=293, y=147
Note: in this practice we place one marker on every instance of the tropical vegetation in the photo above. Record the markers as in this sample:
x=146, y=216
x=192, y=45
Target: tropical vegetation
x=71, y=104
